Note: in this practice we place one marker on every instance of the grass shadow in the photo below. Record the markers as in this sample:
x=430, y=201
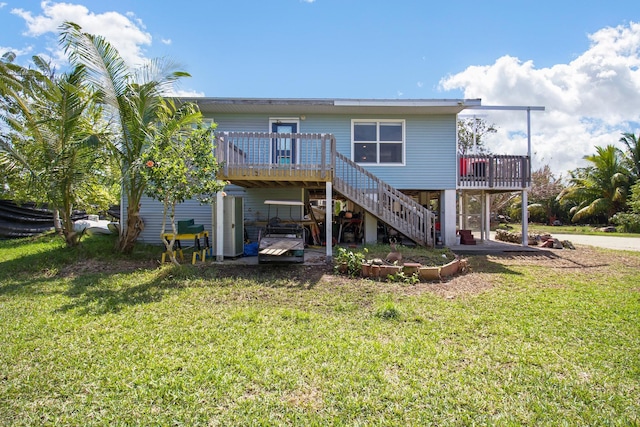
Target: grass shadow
x=293, y=276
x=102, y=293
x=485, y=263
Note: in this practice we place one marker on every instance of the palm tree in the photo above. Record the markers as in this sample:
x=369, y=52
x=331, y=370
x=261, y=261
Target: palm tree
x=598, y=189
x=135, y=97
x=633, y=151
x=52, y=139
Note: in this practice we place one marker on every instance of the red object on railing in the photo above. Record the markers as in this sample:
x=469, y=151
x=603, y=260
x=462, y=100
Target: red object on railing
x=463, y=166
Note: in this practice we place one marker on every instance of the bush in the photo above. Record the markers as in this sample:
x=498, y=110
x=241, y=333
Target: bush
x=349, y=262
x=627, y=222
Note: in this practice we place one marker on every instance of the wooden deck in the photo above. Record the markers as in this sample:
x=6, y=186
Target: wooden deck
x=254, y=159
x=494, y=172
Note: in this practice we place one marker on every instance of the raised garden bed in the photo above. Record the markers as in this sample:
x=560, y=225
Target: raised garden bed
x=417, y=265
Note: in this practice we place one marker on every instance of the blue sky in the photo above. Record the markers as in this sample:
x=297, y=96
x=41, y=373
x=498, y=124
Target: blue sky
x=580, y=61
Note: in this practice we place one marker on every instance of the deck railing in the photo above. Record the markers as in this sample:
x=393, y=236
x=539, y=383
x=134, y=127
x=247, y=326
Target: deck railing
x=494, y=172
x=294, y=155
x=384, y=201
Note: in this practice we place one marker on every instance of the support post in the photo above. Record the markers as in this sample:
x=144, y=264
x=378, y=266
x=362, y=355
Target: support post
x=525, y=219
x=483, y=217
x=529, y=133
x=487, y=217
x=448, y=218
x=328, y=221
x=370, y=228
x=219, y=226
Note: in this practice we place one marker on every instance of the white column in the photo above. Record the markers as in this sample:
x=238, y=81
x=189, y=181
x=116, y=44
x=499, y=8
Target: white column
x=448, y=217
x=460, y=210
x=328, y=220
x=370, y=228
x=219, y=226
x=487, y=217
x=483, y=215
x=525, y=219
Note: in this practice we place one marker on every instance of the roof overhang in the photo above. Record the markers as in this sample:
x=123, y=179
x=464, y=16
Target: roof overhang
x=282, y=106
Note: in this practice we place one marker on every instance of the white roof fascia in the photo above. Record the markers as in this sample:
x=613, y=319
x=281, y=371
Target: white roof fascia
x=407, y=103
x=507, y=108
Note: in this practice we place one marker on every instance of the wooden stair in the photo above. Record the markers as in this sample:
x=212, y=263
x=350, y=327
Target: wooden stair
x=383, y=201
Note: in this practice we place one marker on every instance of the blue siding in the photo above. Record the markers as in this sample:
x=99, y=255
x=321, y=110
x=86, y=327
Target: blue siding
x=254, y=211
x=242, y=123
x=151, y=214
x=430, y=146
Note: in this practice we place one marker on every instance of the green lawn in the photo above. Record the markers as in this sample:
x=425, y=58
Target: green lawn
x=552, y=340
x=571, y=229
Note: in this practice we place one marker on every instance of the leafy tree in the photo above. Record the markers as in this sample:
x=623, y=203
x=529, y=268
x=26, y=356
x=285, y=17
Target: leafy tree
x=629, y=222
x=471, y=132
x=180, y=164
x=599, y=189
x=634, y=198
x=545, y=188
x=51, y=147
x=633, y=152
x=135, y=98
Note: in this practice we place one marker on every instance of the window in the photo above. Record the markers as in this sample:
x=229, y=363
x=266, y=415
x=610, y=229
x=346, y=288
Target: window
x=378, y=141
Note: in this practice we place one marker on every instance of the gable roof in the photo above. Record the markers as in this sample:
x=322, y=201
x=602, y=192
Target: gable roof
x=331, y=106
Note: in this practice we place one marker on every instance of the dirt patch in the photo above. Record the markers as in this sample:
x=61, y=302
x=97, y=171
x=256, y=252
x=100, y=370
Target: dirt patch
x=479, y=277
x=93, y=266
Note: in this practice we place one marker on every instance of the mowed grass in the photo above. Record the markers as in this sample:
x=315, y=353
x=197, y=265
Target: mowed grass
x=543, y=342
x=572, y=229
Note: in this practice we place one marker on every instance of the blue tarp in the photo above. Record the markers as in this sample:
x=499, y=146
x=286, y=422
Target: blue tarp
x=251, y=249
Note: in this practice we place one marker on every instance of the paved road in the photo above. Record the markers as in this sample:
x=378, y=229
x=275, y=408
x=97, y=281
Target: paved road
x=608, y=242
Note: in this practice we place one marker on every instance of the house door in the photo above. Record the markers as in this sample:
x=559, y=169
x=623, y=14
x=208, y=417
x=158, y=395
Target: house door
x=284, y=149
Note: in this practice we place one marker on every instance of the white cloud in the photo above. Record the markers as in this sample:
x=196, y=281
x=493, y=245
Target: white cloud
x=125, y=34
x=166, y=41
x=589, y=101
x=18, y=52
x=185, y=93
x=307, y=1
x=2, y=4
x=420, y=84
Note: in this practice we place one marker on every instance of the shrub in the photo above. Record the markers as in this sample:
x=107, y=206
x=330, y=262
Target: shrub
x=627, y=222
x=349, y=262
x=410, y=279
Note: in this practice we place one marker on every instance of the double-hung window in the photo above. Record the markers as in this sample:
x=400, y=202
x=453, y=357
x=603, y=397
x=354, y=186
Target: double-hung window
x=378, y=141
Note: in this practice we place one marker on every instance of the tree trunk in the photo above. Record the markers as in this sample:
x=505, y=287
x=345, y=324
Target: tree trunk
x=129, y=234
x=169, y=244
x=56, y=221
x=172, y=254
x=132, y=231
x=71, y=237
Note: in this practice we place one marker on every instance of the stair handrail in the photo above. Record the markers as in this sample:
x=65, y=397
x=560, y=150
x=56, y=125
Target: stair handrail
x=384, y=201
